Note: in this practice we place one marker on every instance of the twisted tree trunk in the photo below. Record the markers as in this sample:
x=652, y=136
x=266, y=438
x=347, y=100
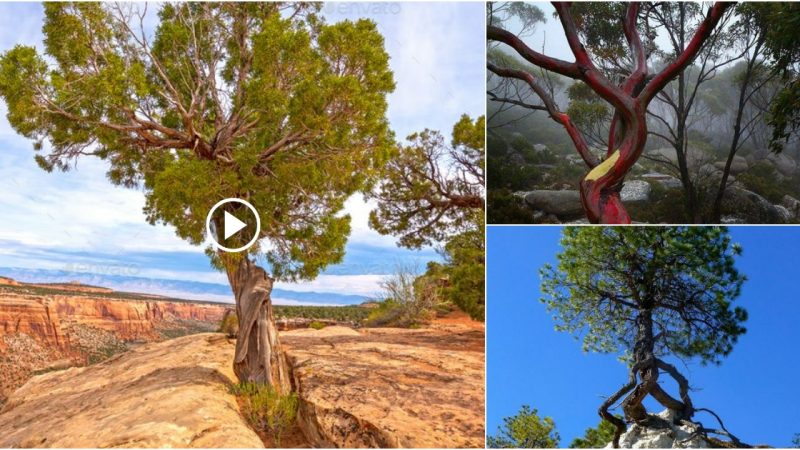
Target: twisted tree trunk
x=259, y=357
x=646, y=367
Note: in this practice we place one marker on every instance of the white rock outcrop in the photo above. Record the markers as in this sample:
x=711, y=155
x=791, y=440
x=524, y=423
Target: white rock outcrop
x=665, y=435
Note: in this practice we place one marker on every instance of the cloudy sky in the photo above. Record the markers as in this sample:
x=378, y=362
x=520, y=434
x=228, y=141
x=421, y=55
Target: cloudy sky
x=77, y=226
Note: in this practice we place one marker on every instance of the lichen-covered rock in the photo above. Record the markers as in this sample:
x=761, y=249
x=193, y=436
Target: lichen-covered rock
x=662, y=432
x=635, y=191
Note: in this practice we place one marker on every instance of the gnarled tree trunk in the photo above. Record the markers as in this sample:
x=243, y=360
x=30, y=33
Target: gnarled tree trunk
x=259, y=357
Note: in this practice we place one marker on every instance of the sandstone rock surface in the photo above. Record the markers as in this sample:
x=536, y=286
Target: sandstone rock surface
x=388, y=387
x=167, y=394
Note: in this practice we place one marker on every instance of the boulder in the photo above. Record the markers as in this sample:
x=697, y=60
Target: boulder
x=792, y=205
x=635, y=191
x=667, y=181
x=786, y=216
x=783, y=163
x=662, y=432
x=565, y=203
x=751, y=207
x=738, y=165
x=539, y=148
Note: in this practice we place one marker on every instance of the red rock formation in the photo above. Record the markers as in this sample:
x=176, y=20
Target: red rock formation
x=45, y=317
x=33, y=316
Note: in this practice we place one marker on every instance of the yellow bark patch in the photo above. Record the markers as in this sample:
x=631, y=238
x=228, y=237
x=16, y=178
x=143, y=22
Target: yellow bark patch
x=603, y=168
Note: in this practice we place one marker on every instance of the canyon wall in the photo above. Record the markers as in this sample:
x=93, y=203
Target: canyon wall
x=44, y=327
x=45, y=318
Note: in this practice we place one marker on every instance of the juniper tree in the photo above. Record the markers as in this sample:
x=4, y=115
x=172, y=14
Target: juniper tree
x=260, y=101
x=647, y=293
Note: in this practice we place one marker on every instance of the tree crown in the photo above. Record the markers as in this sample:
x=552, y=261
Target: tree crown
x=684, y=277
x=261, y=101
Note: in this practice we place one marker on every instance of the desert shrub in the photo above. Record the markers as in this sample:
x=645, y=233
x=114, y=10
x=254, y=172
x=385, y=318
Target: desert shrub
x=267, y=410
x=407, y=300
x=317, y=325
x=229, y=324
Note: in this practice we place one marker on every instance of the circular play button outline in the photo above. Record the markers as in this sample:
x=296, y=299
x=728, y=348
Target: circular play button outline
x=213, y=239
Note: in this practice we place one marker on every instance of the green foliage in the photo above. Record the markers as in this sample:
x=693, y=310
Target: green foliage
x=778, y=23
x=595, y=437
x=796, y=440
x=684, y=276
x=262, y=101
x=506, y=208
x=525, y=430
x=267, y=410
x=462, y=276
x=433, y=190
x=316, y=325
x=352, y=314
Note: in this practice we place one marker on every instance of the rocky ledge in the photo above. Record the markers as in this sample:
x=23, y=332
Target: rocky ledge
x=366, y=388
x=390, y=387
x=166, y=394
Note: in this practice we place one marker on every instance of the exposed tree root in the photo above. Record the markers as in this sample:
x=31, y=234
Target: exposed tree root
x=635, y=412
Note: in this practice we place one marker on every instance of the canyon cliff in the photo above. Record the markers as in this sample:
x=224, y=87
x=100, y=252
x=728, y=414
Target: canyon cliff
x=56, y=325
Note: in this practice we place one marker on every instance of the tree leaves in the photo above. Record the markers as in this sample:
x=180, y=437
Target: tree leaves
x=686, y=276
x=261, y=101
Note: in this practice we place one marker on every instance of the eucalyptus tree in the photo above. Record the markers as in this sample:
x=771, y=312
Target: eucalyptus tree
x=647, y=294
x=260, y=101
x=629, y=92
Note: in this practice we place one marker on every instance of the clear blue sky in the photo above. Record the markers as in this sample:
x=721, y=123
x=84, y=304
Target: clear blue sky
x=754, y=390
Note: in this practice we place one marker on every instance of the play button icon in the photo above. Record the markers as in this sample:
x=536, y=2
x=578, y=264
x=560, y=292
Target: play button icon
x=232, y=225
x=236, y=222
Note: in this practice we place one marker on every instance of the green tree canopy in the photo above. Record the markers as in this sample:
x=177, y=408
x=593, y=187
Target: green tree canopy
x=648, y=293
x=525, y=430
x=597, y=437
x=261, y=101
x=684, y=276
x=432, y=190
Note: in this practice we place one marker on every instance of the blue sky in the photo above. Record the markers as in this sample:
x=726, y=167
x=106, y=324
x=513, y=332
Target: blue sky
x=77, y=225
x=754, y=390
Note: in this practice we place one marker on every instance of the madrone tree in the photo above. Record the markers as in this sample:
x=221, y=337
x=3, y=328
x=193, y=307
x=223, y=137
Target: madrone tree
x=433, y=192
x=648, y=293
x=629, y=93
x=260, y=101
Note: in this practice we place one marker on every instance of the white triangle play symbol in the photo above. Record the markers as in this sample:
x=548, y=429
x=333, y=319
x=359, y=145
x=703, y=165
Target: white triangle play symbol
x=232, y=225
